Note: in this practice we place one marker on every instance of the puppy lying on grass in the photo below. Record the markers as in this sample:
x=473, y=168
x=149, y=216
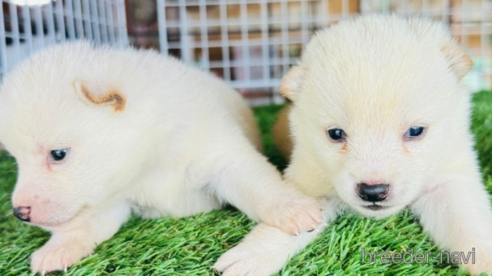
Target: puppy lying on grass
x=97, y=133
x=379, y=122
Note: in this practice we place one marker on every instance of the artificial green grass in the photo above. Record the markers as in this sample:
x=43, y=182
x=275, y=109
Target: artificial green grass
x=189, y=246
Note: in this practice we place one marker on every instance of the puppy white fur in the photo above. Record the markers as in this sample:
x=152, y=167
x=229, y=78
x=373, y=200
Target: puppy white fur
x=379, y=78
x=139, y=131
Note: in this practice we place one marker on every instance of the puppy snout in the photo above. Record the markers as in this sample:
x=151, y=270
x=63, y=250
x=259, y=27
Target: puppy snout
x=372, y=193
x=23, y=213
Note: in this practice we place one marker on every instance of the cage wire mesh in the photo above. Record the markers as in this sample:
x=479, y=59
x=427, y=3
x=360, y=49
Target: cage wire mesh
x=29, y=25
x=252, y=44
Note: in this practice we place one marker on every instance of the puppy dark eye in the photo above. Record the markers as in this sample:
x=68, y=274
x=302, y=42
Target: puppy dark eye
x=58, y=155
x=414, y=132
x=336, y=134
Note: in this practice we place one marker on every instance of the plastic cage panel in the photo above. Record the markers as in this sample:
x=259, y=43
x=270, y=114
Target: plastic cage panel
x=252, y=43
x=29, y=25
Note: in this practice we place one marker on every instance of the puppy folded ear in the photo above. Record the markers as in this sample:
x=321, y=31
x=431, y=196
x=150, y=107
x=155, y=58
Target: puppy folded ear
x=98, y=94
x=459, y=62
x=291, y=83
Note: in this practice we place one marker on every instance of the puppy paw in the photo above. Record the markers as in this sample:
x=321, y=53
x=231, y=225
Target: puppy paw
x=246, y=259
x=482, y=265
x=52, y=256
x=478, y=269
x=295, y=215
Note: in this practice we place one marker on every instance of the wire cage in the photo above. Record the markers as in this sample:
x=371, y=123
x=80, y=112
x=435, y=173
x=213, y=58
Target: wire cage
x=29, y=25
x=252, y=43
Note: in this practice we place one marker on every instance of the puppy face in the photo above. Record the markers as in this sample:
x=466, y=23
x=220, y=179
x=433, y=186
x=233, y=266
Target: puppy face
x=377, y=120
x=69, y=140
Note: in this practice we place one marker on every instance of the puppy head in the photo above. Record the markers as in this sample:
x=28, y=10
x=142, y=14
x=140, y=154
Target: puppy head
x=379, y=109
x=68, y=136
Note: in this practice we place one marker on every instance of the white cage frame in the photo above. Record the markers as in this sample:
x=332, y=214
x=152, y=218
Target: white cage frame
x=191, y=24
x=28, y=28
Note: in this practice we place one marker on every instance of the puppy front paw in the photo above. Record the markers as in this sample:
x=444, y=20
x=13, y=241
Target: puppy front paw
x=483, y=264
x=295, y=215
x=59, y=256
x=478, y=269
x=247, y=259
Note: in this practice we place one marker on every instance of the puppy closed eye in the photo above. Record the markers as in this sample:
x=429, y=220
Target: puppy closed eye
x=415, y=132
x=58, y=155
x=336, y=135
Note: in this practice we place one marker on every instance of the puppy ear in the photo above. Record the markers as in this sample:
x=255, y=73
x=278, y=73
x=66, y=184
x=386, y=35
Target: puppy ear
x=291, y=83
x=98, y=94
x=459, y=62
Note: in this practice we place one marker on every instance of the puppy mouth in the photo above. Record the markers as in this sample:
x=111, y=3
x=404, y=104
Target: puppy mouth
x=375, y=207
x=57, y=224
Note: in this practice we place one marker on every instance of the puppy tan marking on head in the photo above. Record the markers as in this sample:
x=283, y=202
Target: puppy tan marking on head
x=100, y=94
x=458, y=60
x=291, y=83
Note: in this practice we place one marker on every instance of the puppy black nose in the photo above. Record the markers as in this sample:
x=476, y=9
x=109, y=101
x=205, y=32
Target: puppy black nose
x=23, y=213
x=372, y=193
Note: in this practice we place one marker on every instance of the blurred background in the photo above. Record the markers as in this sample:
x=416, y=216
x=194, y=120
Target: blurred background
x=249, y=43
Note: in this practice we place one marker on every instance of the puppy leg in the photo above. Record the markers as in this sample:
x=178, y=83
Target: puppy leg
x=458, y=216
x=254, y=186
x=266, y=249
x=68, y=245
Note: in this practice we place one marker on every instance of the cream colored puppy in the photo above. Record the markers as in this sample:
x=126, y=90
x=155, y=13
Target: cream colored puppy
x=99, y=132
x=379, y=122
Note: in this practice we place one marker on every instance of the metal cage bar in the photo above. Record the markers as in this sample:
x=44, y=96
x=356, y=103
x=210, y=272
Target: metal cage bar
x=25, y=29
x=252, y=44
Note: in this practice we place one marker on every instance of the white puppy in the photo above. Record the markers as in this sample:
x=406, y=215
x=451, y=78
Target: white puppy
x=97, y=132
x=379, y=122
